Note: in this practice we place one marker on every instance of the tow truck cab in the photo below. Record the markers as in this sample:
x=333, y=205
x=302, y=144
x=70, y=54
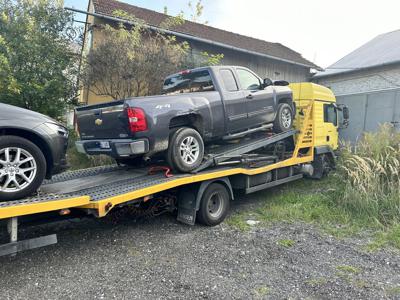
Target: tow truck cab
x=328, y=116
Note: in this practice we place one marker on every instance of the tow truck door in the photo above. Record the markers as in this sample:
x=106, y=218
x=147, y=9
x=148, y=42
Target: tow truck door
x=330, y=125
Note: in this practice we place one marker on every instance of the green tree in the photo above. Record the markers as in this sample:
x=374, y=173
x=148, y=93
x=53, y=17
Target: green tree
x=38, y=65
x=132, y=60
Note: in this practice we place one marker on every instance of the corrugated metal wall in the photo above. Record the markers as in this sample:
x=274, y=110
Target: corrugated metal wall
x=369, y=110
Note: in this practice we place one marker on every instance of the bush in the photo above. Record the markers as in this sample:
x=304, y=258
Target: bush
x=369, y=176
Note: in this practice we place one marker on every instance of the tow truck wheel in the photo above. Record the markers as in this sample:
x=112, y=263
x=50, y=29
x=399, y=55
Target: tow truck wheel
x=185, y=150
x=284, y=118
x=22, y=168
x=214, y=205
x=322, y=166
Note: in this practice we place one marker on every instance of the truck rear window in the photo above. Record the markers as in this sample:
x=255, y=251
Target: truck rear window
x=188, y=82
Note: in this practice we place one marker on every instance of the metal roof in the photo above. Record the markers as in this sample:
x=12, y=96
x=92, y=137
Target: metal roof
x=382, y=50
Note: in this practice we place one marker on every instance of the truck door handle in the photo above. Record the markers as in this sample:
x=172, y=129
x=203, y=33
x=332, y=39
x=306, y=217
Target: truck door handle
x=249, y=96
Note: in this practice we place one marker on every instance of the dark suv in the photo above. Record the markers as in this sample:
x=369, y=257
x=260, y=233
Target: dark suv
x=32, y=147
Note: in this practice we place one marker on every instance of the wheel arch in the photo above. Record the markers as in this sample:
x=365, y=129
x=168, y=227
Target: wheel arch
x=35, y=139
x=190, y=198
x=192, y=120
x=289, y=101
x=205, y=184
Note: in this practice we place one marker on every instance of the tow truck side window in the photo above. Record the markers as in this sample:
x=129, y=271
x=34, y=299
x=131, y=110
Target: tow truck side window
x=229, y=80
x=330, y=114
x=248, y=80
x=188, y=82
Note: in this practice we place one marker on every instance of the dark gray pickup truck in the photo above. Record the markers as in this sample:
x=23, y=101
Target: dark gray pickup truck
x=197, y=106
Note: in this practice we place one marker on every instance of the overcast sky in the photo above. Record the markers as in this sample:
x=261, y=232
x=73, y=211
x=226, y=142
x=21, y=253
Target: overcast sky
x=323, y=31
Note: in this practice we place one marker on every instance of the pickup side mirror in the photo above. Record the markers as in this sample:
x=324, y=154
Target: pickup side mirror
x=267, y=82
x=281, y=83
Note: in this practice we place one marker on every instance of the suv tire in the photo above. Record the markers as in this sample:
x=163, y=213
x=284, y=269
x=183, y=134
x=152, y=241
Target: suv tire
x=185, y=150
x=22, y=168
x=284, y=118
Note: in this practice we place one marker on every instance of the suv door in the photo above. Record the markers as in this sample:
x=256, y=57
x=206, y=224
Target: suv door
x=234, y=102
x=260, y=102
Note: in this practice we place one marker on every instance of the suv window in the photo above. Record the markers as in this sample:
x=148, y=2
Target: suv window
x=248, y=80
x=229, y=80
x=330, y=115
x=188, y=82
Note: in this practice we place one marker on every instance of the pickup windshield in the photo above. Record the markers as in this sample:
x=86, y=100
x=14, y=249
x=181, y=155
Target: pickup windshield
x=188, y=82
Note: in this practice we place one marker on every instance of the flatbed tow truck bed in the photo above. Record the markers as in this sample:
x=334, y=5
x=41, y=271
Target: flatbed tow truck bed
x=97, y=191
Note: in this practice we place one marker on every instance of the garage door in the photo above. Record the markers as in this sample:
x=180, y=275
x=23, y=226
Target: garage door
x=369, y=110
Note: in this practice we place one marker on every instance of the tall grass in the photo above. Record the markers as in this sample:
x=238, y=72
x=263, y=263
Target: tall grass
x=369, y=177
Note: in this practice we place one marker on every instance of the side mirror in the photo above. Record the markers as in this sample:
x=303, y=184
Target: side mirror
x=346, y=113
x=346, y=116
x=281, y=83
x=267, y=82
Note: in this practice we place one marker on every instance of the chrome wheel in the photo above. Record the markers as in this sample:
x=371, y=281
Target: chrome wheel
x=286, y=117
x=189, y=150
x=215, y=206
x=18, y=169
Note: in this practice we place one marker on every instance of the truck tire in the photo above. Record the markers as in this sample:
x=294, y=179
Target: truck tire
x=22, y=168
x=214, y=205
x=322, y=166
x=284, y=118
x=186, y=150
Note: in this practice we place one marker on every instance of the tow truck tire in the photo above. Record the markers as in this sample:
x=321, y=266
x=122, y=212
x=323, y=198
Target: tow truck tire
x=214, y=205
x=185, y=150
x=322, y=166
x=11, y=168
x=284, y=118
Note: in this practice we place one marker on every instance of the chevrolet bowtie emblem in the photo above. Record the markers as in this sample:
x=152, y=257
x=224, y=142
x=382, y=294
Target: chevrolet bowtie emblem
x=98, y=122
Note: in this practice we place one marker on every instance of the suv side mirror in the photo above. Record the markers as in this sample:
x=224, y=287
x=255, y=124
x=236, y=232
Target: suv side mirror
x=267, y=82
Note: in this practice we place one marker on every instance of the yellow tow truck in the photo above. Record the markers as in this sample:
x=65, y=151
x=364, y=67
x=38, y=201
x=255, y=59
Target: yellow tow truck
x=249, y=165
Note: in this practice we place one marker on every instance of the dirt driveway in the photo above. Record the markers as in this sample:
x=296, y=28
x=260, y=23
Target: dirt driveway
x=162, y=259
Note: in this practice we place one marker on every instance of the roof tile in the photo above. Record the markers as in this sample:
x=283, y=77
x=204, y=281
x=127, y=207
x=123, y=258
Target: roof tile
x=107, y=7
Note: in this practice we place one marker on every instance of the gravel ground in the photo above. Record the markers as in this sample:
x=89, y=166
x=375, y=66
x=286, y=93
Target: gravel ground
x=162, y=259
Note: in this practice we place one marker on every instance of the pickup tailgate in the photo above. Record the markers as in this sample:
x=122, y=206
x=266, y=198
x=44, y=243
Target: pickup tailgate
x=103, y=121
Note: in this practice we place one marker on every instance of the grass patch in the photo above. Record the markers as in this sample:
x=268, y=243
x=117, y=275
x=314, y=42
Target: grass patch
x=393, y=291
x=263, y=291
x=287, y=243
x=348, y=269
x=238, y=221
x=363, y=195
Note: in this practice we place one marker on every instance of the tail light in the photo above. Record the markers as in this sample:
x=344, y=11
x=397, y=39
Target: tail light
x=137, y=119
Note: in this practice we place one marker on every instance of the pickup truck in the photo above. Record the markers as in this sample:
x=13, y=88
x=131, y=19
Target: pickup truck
x=197, y=106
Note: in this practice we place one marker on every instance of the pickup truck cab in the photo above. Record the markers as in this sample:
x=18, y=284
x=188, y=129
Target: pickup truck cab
x=196, y=106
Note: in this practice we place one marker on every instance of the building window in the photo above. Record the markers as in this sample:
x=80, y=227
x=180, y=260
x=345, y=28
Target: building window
x=248, y=80
x=228, y=80
x=330, y=114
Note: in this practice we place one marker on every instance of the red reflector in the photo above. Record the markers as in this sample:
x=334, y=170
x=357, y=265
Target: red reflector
x=137, y=119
